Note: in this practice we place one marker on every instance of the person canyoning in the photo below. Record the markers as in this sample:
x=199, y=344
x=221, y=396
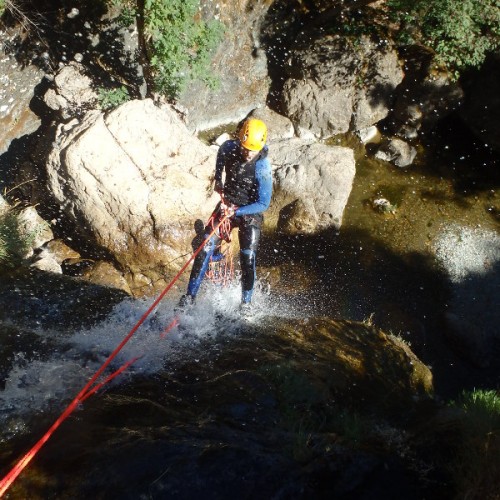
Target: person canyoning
x=246, y=193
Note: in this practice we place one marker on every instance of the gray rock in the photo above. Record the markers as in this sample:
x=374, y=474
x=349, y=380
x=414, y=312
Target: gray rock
x=320, y=176
x=396, y=151
x=335, y=87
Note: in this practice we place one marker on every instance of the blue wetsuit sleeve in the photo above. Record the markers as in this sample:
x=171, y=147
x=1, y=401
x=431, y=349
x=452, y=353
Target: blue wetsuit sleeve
x=264, y=178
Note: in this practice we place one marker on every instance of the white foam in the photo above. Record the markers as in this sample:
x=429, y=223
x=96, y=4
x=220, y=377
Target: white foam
x=55, y=379
x=465, y=251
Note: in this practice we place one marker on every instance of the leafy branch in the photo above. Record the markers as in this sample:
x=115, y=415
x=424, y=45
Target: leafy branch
x=461, y=32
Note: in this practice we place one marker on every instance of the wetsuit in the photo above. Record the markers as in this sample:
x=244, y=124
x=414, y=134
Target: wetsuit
x=248, y=185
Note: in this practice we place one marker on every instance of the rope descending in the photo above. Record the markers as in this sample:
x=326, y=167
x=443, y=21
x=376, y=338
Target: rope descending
x=92, y=386
x=221, y=265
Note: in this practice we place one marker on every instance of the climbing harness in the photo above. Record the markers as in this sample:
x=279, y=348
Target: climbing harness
x=92, y=387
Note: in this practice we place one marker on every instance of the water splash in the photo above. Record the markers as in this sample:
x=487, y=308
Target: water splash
x=465, y=251
x=43, y=382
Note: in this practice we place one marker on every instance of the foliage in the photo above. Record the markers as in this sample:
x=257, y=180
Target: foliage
x=14, y=242
x=476, y=466
x=179, y=43
x=128, y=11
x=461, y=32
x=111, y=98
x=2, y=7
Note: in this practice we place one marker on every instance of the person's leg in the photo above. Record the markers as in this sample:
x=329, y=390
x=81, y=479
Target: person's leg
x=200, y=266
x=249, y=236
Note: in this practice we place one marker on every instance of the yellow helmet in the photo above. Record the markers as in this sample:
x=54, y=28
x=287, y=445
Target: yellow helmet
x=253, y=134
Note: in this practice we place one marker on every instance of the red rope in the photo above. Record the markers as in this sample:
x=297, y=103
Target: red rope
x=87, y=390
x=221, y=270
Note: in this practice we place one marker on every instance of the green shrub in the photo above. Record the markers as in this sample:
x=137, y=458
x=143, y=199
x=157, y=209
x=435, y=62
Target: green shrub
x=13, y=242
x=181, y=44
x=475, y=468
x=177, y=42
x=461, y=32
x=111, y=98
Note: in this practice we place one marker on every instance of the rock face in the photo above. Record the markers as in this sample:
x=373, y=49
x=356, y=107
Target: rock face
x=240, y=66
x=425, y=96
x=260, y=402
x=134, y=181
x=334, y=87
x=17, y=84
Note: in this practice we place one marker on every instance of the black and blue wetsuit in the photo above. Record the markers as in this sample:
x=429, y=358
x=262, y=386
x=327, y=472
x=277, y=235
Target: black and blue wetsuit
x=248, y=185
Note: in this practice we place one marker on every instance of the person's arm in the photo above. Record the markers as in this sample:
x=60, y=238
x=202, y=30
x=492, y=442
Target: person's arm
x=264, y=178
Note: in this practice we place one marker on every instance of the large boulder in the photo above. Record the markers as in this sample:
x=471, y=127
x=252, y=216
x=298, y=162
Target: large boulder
x=312, y=184
x=334, y=87
x=134, y=181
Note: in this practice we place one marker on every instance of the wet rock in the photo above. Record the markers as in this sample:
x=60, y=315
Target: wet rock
x=266, y=408
x=384, y=205
x=299, y=217
x=60, y=250
x=105, y=274
x=17, y=89
x=396, y=151
x=369, y=135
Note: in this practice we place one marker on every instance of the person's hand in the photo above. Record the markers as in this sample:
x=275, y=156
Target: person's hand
x=228, y=210
x=218, y=187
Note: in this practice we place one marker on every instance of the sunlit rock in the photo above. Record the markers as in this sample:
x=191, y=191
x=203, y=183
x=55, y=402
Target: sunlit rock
x=17, y=88
x=60, y=251
x=278, y=126
x=72, y=92
x=369, y=135
x=46, y=262
x=319, y=176
x=134, y=182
